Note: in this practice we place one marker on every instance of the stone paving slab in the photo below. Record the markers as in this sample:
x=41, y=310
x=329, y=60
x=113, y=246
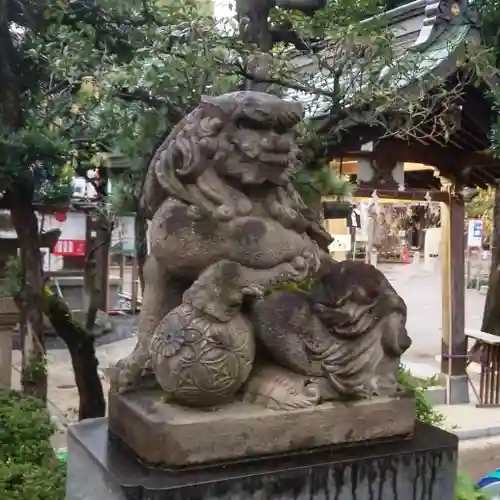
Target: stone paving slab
x=471, y=423
x=479, y=457
x=421, y=290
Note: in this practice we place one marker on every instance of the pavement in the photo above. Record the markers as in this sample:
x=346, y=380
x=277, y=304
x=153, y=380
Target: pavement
x=420, y=288
x=479, y=457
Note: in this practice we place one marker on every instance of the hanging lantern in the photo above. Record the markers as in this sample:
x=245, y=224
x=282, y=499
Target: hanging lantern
x=97, y=179
x=60, y=216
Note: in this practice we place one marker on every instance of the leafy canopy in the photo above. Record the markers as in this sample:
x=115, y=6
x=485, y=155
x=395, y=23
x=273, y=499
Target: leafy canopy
x=91, y=78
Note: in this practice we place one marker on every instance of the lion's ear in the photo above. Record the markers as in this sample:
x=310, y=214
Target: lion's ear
x=222, y=106
x=206, y=99
x=152, y=195
x=210, y=106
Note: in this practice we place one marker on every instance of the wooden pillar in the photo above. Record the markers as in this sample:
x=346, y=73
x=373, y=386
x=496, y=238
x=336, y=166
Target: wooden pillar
x=454, y=344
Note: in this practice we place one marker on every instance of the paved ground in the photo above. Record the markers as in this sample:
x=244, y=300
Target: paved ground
x=421, y=290
x=479, y=457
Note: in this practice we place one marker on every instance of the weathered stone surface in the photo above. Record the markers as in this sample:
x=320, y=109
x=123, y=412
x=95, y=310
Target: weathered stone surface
x=178, y=436
x=228, y=228
x=422, y=468
x=249, y=363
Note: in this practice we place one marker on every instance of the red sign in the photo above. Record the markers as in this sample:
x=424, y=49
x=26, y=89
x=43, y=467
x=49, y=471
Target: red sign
x=70, y=248
x=60, y=216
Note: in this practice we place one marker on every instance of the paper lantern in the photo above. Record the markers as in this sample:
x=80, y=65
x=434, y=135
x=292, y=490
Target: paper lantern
x=60, y=216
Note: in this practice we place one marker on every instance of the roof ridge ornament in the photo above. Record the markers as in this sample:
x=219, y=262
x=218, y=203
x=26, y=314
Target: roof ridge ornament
x=439, y=14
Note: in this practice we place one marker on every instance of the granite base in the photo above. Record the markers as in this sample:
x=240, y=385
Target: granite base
x=423, y=467
x=175, y=436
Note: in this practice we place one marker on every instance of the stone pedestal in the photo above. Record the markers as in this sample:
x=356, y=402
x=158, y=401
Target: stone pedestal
x=176, y=436
x=422, y=467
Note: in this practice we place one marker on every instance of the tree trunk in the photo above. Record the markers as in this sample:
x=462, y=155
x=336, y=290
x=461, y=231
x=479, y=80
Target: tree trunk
x=257, y=35
x=254, y=31
x=103, y=230
x=491, y=315
x=29, y=302
x=24, y=220
x=83, y=357
x=141, y=245
x=91, y=292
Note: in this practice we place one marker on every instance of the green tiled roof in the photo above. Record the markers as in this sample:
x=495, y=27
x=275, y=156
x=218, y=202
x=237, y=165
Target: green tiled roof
x=427, y=34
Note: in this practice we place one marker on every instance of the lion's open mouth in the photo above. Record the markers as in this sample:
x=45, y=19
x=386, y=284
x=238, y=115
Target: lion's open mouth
x=276, y=159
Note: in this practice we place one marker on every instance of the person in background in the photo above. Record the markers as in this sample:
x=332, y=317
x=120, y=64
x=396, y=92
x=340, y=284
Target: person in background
x=354, y=223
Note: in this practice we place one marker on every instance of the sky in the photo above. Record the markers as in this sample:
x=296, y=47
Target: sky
x=222, y=8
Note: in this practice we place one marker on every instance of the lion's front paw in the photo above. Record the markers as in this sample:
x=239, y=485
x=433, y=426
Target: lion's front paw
x=304, y=265
x=295, y=271
x=254, y=290
x=128, y=373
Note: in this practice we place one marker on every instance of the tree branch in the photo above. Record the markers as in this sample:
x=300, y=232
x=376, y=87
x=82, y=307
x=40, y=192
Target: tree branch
x=286, y=34
x=307, y=7
x=239, y=70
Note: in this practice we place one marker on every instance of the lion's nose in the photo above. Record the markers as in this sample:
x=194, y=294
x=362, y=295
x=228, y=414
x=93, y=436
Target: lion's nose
x=277, y=143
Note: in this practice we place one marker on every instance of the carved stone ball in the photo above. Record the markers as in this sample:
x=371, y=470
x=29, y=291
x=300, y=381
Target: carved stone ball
x=200, y=362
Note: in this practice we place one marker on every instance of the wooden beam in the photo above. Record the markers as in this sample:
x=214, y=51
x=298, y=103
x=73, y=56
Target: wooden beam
x=399, y=150
x=450, y=161
x=408, y=195
x=480, y=159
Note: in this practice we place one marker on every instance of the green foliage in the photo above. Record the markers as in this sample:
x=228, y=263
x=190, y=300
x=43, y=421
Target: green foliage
x=28, y=482
x=489, y=11
x=110, y=76
x=313, y=185
x=304, y=286
x=25, y=429
x=11, y=282
x=37, y=366
x=28, y=470
x=425, y=411
x=465, y=489
x=102, y=77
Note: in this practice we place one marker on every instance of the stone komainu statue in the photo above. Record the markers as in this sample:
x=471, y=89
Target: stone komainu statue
x=228, y=228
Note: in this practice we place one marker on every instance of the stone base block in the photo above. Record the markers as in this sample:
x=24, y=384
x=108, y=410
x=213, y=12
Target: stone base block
x=422, y=467
x=457, y=389
x=175, y=436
